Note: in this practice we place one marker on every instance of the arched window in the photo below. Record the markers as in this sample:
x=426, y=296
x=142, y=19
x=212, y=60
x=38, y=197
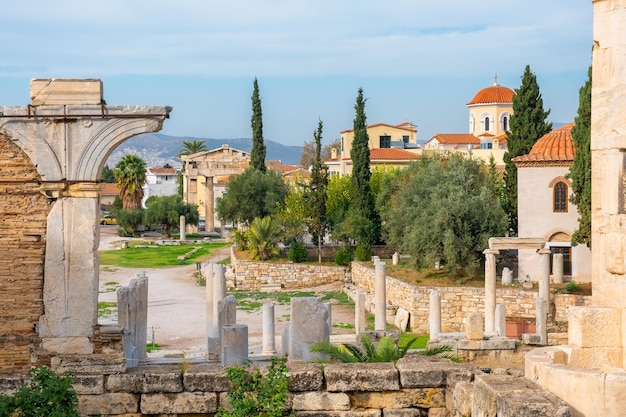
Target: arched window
x=504, y=122
x=487, y=124
x=472, y=124
x=560, y=197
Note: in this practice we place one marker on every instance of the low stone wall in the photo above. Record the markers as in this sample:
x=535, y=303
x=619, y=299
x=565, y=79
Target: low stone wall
x=250, y=275
x=457, y=302
x=414, y=386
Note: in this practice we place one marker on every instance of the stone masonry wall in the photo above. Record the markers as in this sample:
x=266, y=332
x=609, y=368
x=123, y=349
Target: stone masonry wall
x=249, y=275
x=23, y=213
x=415, y=386
x=457, y=302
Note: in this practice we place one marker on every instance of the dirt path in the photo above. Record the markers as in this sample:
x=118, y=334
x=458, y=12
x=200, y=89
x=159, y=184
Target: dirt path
x=177, y=308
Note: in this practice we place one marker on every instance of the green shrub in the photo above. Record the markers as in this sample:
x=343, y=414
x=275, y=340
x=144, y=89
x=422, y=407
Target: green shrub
x=297, y=252
x=343, y=256
x=363, y=252
x=572, y=286
x=257, y=393
x=46, y=395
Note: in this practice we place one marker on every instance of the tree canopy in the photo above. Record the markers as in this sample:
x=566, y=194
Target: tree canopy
x=528, y=124
x=443, y=209
x=107, y=175
x=580, y=171
x=130, y=175
x=252, y=194
x=257, y=155
x=192, y=146
x=167, y=210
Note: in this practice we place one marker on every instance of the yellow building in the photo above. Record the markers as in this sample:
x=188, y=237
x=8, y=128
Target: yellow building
x=390, y=145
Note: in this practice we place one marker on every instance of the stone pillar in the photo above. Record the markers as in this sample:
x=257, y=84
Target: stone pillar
x=68, y=142
x=501, y=320
x=218, y=293
x=380, y=294
x=542, y=320
x=435, y=315
x=209, y=205
x=395, y=258
x=359, y=313
x=557, y=268
x=490, y=290
x=474, y=326
x=544, y=274
x=269, y=337
x=132, y=307
x=329, y=307
x=234, y=344
x=182, y=227
x=309, y=324
x=207, y=273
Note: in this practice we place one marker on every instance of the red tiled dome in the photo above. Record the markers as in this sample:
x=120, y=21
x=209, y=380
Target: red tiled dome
x=554, y=146
x=493, y=94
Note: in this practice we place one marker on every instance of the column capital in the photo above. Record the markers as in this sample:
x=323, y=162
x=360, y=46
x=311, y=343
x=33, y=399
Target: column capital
x=491, y=252
x=544, y=251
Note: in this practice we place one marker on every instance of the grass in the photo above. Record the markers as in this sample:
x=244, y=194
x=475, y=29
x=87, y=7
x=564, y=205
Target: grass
x=110, y=286
x=160, y=256
x=421, y=342
x=106, y=308
x=252, y=301
x=152, y=347
x=405, y=271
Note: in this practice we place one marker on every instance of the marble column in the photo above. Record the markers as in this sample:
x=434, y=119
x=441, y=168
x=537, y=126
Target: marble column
x=557, y=268
x=544, y=274
x=359, y=313
x=501, y=320
x=209, y=205
x=269, y=337
x=380, y=297
x=542, y=320
x=182, y=226
x=490, y=290
x=234, y=344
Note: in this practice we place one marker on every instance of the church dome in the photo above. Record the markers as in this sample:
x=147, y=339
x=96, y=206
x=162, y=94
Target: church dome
x=554, y=146
x=493, y=94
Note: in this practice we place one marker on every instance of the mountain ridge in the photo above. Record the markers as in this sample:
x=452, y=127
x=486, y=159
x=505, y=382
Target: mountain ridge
x=158, y=149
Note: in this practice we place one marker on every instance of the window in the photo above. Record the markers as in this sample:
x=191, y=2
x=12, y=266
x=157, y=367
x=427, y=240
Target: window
x=342, y=144
x=487, y=124
x=488, y=145
x=405, y=138
x=560, y=197
x=385, y=142
x=505, y=123
x=472, y=124
x=567, y=258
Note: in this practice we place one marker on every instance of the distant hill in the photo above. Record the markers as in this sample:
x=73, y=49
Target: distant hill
x=157, y=149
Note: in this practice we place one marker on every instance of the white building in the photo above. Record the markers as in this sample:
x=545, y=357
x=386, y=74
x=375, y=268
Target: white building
x=160, y=182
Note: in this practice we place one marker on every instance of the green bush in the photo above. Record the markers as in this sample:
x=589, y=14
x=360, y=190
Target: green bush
x=572, y=286
x=343, y=256
x=297, y=252
x=363, y=252
x=47, y=395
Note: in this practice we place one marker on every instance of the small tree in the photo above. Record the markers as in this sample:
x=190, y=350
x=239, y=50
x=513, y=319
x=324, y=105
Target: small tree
x=167, y=211
x=316, y=195
x=580, y=171
x=262, y=237
x=290, y=216
x=107, y=175
x=130, y=175
x=257, y=155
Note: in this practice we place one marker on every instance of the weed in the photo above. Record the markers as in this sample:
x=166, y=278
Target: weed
x=152, y=347
x=106, y=308
x=343, y=325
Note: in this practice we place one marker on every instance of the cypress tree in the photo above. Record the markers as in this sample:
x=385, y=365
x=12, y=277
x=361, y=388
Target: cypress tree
x=362, y=201
x=528, y=124
x=316, y=196
x=580, y=171
x=257, y=158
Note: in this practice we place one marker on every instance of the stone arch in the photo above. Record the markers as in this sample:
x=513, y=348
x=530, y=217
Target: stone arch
x=560, y=179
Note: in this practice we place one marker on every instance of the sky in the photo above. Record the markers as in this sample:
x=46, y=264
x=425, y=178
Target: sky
x=416, y=60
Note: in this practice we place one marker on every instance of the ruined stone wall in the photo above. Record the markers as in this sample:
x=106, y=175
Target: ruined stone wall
x=456, y=302
x=249, y=275
x=414, y=386
x=23, y=213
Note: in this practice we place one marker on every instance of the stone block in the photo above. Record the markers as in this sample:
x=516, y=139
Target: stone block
x=615, y=394
x=474, y=327
x=497, y=344
x=404, y=398
x=431, y=372
x=531, y=339
x=94, y=364
x=9, y=384
x=108, y=403
x=145, y=383
x=595, y=327
x=320, y=401
x=88, y=384
x=53, y=91
x=407, y=412
x=487, y=388
x=210, y=378
x=598, y=358
x=305, y=377
x=351, y=413
x=308, y=325
x=361, y=377
x=179, y=403
x=531, y=404
x=460, y=398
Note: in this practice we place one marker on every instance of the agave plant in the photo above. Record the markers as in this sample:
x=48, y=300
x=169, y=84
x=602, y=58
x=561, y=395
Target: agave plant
x=386, y=351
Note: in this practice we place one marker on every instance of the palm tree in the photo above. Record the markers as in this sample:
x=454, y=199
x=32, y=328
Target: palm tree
x=192, y=146
x=386, y=351
x=262, y=237
x=130, y=175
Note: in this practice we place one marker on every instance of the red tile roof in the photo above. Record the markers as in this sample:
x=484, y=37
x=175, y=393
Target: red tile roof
x=456, y=138
x=162, y=171
x=493, y=94
x=554, y=146
x=404, y=126
x=109, y=189
x=392, y=154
